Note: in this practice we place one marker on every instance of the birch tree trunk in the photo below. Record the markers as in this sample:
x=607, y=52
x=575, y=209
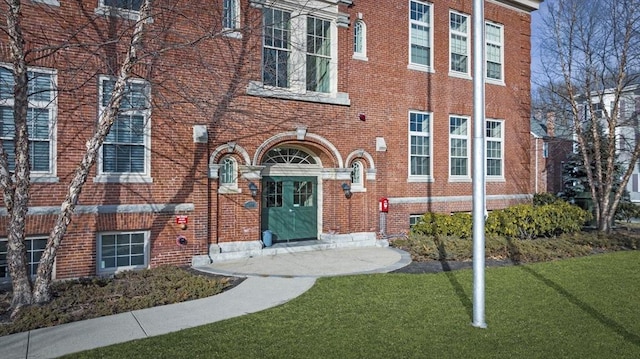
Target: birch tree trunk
x=41, y=289
x=16, y=186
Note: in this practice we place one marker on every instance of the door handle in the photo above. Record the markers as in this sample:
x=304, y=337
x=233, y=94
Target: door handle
x=290, y=210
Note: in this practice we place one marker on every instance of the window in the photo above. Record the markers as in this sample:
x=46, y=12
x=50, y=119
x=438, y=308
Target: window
x=360, y=40
x=459, y=147
x=125, y=152
x=41, y=114
x=420, y=52
x=122, y=251
x=228, y=175
x=300, y=52
x=318, y=55
x=420, y=145
x=459, y=43
x=132, y=5
x=357, y=175
x=35, y=248
x=231, y=14
x=545, y=150
x=493, y=34
x=276, y=48
x=494, y=142
x=414, y=219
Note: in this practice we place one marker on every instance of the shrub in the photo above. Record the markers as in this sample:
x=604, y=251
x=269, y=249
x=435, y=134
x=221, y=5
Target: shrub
x=523, y=221
x=627, y=210
x=541, y=199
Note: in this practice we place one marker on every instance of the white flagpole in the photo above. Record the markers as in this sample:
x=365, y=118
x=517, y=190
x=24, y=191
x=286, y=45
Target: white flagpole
x=478, y=164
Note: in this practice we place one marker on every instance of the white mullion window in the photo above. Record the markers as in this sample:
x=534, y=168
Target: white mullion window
x=35, y=248
x=231, y=14
x=118, y=251
x=357, y=176
x=459, y=147
x=494, y=137
x=420, y=146
x=420, y=36
x=228, y=175
x=360, y=40
x=129, y=5
x=276, y=51
x=494, y=52
x=125, y=153
x=318, y=73
x=459, y=43
x=41, y=113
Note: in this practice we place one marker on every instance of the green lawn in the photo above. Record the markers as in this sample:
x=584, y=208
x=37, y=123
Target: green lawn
x=577, y=308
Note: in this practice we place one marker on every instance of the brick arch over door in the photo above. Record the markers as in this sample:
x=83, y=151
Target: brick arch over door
x=310, y=140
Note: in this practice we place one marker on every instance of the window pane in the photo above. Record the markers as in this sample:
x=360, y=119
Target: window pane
x=124, y=4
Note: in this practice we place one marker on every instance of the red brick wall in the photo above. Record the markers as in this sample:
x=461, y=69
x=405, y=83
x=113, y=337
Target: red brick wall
x=206, y=83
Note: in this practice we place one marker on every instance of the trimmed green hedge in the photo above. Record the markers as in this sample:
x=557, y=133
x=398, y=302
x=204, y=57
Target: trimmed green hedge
x=523, y=221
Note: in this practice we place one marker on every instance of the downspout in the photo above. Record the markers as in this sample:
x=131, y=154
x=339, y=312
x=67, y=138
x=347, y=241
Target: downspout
x=536, y=155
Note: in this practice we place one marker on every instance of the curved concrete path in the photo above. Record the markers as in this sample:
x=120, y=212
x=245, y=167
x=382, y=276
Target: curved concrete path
x=271, y=281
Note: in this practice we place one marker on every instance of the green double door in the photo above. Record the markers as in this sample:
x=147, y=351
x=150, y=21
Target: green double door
x=289, y=207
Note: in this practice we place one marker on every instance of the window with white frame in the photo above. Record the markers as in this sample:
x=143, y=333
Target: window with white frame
x=420, y=35
x=318, y=55
x=414, y=219
x=130, y=5
x=122, y=251
x=231, y=14
x=357, y=175
x=494, y=51
x=458, y=147
x=35, y=248
x=276, y=49
x=125, y=152
x=420, y=145
x=41, y=113
x=459, y=43
x=228, y=175
x=360, y=40
x=280, y=51
x=545, y=150
x=494, y=137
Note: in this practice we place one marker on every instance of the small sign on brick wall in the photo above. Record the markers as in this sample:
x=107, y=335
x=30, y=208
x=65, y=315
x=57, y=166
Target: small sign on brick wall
x=182, y=219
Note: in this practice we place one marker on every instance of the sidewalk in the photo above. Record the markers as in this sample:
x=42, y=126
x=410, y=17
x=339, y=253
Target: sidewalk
x=271, y=281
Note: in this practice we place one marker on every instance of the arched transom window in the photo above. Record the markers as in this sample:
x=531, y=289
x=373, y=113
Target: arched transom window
x=288, y=156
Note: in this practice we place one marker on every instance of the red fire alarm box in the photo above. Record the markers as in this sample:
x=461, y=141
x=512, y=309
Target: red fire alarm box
x=181, y=219
x=383, y=204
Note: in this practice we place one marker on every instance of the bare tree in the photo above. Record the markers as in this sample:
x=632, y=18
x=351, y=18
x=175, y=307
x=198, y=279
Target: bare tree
x=591, y=58
x=150, y=47
x=16, y=187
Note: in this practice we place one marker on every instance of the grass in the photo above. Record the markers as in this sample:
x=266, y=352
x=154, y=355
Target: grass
x=576, y=308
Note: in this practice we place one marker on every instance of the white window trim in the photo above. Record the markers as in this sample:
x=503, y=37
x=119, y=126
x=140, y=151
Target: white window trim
x=415, y=218
x=359, y=186
x=48, y=2
x=453, y=73
x=100, y=270
x=7, y=279
x=52, y=106
x=420, y=178
x=231, y=187
x=297, y=89
x=420, y=67
x=362, y=55
x=233, y=32
x=111, y=177
x=500, y=81
x=501, y=177
x=467, y=177
x=106, y=10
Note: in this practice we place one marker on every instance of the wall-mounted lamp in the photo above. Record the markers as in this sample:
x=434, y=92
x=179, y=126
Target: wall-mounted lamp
x=254, y=189
x=347, y=190
x=362, y=116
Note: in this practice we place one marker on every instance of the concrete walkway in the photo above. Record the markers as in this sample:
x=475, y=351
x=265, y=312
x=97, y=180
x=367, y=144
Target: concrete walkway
x=271, y=281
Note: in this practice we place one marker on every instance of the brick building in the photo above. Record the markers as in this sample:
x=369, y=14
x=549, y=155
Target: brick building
x=245, y=116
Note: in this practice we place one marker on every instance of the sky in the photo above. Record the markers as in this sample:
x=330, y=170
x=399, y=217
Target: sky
x=536, y=38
